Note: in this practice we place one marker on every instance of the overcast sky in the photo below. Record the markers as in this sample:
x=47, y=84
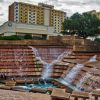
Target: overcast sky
x=69, y=6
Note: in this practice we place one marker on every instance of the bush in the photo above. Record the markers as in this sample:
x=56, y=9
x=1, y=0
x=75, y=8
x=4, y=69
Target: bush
x=39, y=38
x=28, y=36
x=10, y=38
x=1, y=38
x=14, y=37
x=19, y=37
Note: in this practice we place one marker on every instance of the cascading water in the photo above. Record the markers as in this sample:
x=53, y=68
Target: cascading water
x=18, y=60
x=79, y=85
x=72, y=74
x=60, y=57
x=84, y=78
x=92, y=59
x=48, y=66
x=47, y=71
x=35, y=51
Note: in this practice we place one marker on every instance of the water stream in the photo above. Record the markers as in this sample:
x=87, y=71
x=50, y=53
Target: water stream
x=83, y=79
x=48, y=67
x=72, y=74
x=18, y=60
x=68, y=79
x=47, y=71
x=92, y=59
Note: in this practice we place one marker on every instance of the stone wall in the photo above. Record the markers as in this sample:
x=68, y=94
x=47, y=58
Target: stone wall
x=78, y=44
x=85, y=48
x=30, y=42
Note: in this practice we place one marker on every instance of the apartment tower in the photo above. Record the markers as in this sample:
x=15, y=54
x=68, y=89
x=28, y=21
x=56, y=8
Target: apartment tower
x=41, y=14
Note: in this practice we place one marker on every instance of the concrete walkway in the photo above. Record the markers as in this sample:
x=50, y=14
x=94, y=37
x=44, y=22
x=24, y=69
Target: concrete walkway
x=16, y=95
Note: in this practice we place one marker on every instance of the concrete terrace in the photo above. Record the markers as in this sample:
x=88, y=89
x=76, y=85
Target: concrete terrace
x=19, y=64
x=57, y=94
x=15, y=95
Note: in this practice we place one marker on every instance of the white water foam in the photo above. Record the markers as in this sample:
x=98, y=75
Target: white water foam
x=72, y=74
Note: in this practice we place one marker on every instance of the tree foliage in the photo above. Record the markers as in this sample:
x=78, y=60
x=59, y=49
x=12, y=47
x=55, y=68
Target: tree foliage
x=83, y=25
x=97, y=40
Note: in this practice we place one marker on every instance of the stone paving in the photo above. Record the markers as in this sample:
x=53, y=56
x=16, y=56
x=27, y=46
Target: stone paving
x=57, y=94
x=16, y=95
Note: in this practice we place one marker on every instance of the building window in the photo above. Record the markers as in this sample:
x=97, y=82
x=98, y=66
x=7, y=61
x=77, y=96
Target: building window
x=16, y=14
x=16, y=10
x=16, y=4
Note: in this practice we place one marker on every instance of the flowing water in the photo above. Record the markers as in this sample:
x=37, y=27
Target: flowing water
x=18, y=61
x=68, y=79
x=83, y=79
x=72, y=74
x=68, y=84
x=47, y=71
x=92, y=59
x=75, y=70
x=35, y=51
x=48, y=67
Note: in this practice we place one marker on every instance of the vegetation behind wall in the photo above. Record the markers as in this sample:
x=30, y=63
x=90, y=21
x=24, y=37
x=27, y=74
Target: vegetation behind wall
x=19, y=37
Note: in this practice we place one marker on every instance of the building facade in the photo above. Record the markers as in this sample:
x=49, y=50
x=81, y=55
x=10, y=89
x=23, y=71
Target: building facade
x=41, y=14
x=13, y=28
x=98, y=14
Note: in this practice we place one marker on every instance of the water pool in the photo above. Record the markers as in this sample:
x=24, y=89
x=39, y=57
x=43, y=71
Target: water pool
x=38, y=85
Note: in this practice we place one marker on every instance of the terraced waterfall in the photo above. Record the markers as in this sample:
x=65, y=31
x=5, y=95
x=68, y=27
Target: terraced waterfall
x=48, y=67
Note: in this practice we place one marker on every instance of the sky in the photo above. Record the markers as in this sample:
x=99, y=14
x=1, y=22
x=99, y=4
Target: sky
x=69, y=6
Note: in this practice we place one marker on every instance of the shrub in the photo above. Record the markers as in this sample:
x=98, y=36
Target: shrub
x=14, y=37
x=28, y=36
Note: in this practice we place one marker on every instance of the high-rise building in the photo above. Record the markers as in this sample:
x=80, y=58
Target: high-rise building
x=41, y=14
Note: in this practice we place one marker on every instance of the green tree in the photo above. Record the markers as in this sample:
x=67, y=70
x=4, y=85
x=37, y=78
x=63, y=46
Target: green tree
x=97, y=40
x=84, y=25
